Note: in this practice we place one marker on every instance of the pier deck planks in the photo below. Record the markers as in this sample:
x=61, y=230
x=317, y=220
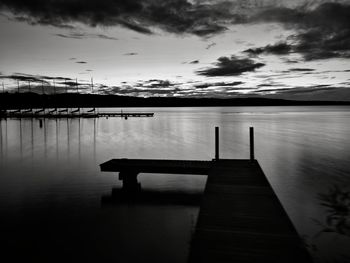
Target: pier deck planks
x=240, y=218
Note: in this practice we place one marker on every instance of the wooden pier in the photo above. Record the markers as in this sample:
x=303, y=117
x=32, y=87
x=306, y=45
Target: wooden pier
x=241, y=218
x=65, y=113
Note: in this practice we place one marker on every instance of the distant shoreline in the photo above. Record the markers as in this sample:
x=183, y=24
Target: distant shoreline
x=73, y=100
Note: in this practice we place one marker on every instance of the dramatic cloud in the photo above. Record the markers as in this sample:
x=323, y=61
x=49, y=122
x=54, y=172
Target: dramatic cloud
x=230, y=67
x=147, y=88
x=325, y=27
x=277, y=49
x=85, y=36
x=157, y=84
x=308, y=93
x=194, y=62
x=301, y=69
x=218, y=84
x=210, y=45
x=166, y=88
x=176, y=16
x=101, y=36
x=268, y=85
x=131, y=54
x=135, y=91
x=323, y=32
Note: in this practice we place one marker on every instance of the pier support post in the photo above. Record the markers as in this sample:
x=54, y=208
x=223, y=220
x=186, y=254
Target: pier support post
x=216, y=143
x=129, y=179
x=251, y=136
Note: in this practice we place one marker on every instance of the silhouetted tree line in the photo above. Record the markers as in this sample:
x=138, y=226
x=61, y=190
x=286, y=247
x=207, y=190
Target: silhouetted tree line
x=33, y=100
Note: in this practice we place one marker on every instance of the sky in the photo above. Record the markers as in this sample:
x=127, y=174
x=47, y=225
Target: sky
x=289, y=49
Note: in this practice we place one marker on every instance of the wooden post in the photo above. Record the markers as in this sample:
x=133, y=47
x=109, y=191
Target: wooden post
x=130, y=182
x=251, y=135
x=216, y=143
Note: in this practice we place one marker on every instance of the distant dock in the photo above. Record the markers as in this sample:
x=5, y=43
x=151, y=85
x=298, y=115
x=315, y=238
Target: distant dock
x=240, y=220
x=65, y=113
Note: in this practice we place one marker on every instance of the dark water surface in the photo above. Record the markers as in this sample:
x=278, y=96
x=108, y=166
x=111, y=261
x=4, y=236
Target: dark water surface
x=56, y=205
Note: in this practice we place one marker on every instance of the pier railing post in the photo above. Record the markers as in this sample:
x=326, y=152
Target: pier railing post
x=216, y=143
x=251, y=136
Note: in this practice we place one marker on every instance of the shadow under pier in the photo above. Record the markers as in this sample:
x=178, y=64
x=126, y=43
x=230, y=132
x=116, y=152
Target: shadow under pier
x=129, y=169
x=151, y=197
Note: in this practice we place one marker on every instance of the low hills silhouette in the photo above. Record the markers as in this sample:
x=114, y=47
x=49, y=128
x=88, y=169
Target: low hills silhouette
x=34, y=100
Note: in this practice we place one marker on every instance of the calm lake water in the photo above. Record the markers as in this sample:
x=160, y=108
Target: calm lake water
x=55, y=203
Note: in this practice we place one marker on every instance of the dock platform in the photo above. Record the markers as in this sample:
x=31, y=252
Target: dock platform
x=156, y=166
x=66, y=114
x=240, y=220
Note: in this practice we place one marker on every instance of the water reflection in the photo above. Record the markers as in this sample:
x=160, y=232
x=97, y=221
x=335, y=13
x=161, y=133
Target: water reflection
x=51, y=186
x=35, y=135
x=50, y=199
x=151, y=197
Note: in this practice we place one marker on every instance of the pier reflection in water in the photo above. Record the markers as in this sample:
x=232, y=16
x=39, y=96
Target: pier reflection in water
x=55, y=203
x=51, y=186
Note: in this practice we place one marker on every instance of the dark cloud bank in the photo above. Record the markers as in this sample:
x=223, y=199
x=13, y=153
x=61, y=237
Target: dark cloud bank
x=131, y=54
x=176, y=16
x=323, y=29
x=323, y=93
x=323, y=32
x=232, y=66
x=85, y=36
x=277, y=49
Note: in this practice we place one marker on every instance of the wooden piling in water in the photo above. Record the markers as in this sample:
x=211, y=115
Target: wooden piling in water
x=251, y=139
x=217, y=144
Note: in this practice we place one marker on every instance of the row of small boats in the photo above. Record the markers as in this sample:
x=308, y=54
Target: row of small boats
x=48, y=112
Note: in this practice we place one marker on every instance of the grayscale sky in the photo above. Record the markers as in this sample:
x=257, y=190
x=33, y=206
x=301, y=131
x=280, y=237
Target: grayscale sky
x=295, y=49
